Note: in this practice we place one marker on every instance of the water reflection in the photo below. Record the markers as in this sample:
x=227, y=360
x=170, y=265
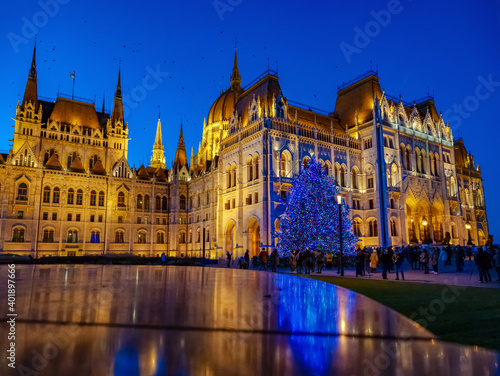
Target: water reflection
x=150, y=320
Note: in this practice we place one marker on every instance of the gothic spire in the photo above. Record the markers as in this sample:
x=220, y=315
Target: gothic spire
x=180, y=154
x=235, y=77
x=117, y=113
x=31, y=94
x=158, y=157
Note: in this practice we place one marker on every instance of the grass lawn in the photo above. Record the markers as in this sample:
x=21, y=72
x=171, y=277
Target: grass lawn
x=466, y=315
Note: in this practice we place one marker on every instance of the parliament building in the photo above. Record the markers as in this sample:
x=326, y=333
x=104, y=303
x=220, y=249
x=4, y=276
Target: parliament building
x=67, y=189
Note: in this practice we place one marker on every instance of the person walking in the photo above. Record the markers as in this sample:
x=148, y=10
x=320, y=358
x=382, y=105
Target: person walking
x=263, y=259
x=385, y=261
x=247, y=259
x=374, y=261
x=367, y=254
x=398, y=259
x=459, y=258
x=496, y=263
x=229, y=256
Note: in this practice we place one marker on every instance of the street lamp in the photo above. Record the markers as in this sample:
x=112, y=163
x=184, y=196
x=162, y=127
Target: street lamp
x=468, y=227
x=339, y=202
x=203, y=242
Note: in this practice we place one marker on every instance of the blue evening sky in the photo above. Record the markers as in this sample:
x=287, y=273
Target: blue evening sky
x=449, y=48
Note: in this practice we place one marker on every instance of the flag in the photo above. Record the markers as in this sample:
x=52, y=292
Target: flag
x=72, y=75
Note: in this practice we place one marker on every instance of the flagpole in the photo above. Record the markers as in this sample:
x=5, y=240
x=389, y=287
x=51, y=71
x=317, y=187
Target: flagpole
x=73, y=94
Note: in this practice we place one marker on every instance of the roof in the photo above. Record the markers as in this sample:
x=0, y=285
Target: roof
x=98, y=168
x=75, y=112
x=53, y=163
x=77, y=165
x=223, y=107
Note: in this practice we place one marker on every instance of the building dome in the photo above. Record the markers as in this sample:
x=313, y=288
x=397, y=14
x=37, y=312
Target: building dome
x=223, y=107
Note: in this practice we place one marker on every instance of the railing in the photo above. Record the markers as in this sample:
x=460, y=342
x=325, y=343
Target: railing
x=397, y=100
x=260, y=77
x=359, y=78
x=72, y=97
x=309, y=108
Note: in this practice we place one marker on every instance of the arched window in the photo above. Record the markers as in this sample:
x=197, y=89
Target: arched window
x=93, y=197
x=419, y=161
x=336, y=172
x=18, y=235
x=22, y=192
x=121, y=199
x=48, y=236
x=431, y=163
x=357, y=228
x=256, y=167
x=283, y=165
x=164, y=203
x=402, y=151
x=160, y=237
x=436, y=165
x=208, y=198
x=408, y=161
x=72, y=236
x=141, y=237
x=139, y=201
x=46, y=194
x=354, y=179
x=305, y=161
x=326, y=168
x=198, y=236
x=119, y=236
x=182, y=205
x=190, y=238
x=55, y=195
x=234, y=175
x=71, y=196
x=146, y=202
x=394, y=231
x=423, y=162
x=93, y=160
x=229, y=180
x=250, y=169
x=157, y=203
x=79, y=197
x=372, y=226
x=182, y=237
x=101, y=198
x=94, y=236
x=342, y=176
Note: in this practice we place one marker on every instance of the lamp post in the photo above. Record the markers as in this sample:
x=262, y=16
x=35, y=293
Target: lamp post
x=339, y=202
x=468, y=227
x=203, y=242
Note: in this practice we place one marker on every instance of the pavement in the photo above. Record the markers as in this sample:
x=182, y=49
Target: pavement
x=447, y=275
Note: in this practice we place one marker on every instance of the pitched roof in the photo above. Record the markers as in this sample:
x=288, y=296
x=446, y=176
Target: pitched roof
x=77, y=165
x=142, y=173
x=98, y=168
x=75, y=112
x=53, y=163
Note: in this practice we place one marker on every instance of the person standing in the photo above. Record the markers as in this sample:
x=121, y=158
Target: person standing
x=424, y=260
x=481, y=262
x=275, y=259
x=496, y=263
x=319, y=261
x=300, y=259
x=163, y=258
x=229, y=256
x=329, y=260
x=434, y=259
x=385, y=262
x=367, y=255
x=374, y=261
x=247, y=259
x=360, y=258
x=293, y=262
x=263, y=259
x=398, y=258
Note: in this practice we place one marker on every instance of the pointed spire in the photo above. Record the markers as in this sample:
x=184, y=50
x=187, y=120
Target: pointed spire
x=180, y=154
x=31, y=93
x=103, y=97
x=118, y=104
x=235, y=77
x=158, y=157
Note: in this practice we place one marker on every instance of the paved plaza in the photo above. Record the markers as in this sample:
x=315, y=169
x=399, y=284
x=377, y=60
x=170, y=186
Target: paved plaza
x=156, y=320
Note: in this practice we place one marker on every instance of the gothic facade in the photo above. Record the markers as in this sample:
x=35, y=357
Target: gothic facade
x=66, y=187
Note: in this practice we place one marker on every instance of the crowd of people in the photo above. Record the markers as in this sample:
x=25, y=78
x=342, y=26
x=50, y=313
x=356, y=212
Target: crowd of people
x=428, y=259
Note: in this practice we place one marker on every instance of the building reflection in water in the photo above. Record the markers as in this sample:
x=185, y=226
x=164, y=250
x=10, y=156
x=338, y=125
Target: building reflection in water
x=150, y=320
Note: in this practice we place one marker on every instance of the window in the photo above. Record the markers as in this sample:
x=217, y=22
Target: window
x=138, y=220
x=157, y=203
x=100, y=218
x=94, y=236
x=92, y=218
x=54, y=216
x=342, y=176
x=22, y=192
x=250, y=169
x=48, y=236
x=208, y=198
x=70, y=217
x=71, y=196
x=234, y=203
x=20, y=214
x=408, y=162
x=228, y=172
x=45, y=216
x=234, y=175
x=101, y=198
x=46, y=194
x=93, y=196
x=182, y=237
x=256, y=197
x=256, y=164
x=120, y=219
x=78, y=217
x=146, y=202
x=198, y=236
x=18, y=235
x=146, y=220
x=160, y=237
x=141, y=237
x=393, y=228
x=283, y=165
x=157, y=221
x=164, y=221
x=372, y=225
x=183, y=202
x=392, y=203
x=139, y=202
x=357, y=228
x=119, y=236
x=368, y=143
x=55, y=196
x=370, y=203
x=72, y=236
x=79, y=197
x=370, y=183
x=164, y=203
x=354, y=179
x=283, y=195
x=121, y=199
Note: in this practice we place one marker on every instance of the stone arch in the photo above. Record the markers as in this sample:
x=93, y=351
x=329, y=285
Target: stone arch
x=230, y=236
x=253, y=231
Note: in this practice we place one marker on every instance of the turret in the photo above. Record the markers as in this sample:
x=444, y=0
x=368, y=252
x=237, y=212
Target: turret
x=117, y=113
x=158, y=157
x=180, y=154
x=30, y=94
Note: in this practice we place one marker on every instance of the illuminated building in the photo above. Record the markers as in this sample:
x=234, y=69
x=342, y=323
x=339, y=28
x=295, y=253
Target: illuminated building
x=67, y=188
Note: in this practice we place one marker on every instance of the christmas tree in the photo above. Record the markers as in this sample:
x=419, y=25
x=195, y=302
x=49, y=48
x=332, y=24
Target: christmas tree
x=311, y=217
